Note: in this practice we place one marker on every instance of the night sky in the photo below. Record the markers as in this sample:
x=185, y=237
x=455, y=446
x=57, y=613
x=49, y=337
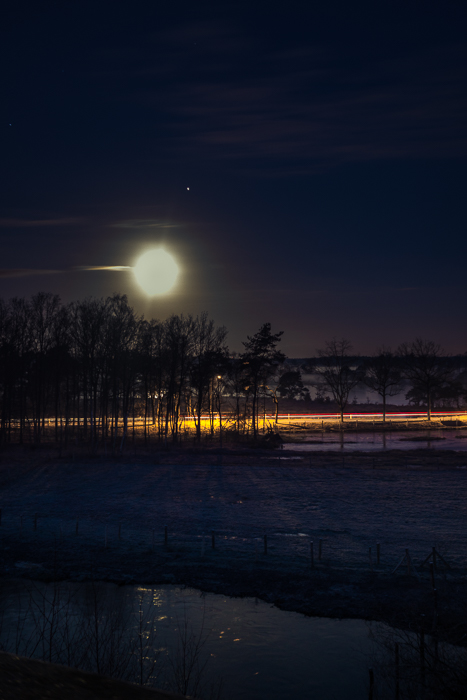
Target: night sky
x=324, y=145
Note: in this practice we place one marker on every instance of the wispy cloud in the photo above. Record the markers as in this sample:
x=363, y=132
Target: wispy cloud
x=26, y=272
x=306, y=105
x=32, y=272
x=26, y=223
x=270, y=119
x=143, y=224
x=222, y=94
x=115, y=268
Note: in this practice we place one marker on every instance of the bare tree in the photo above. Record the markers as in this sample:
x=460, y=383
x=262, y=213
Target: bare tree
x=336, y=373
x=44, y=309
x=261, y=359
x=188, y=662
x=119, y=346
x=209, y=357
x=426, y=367
x=236, y=387
x=383, y=375
x=88, y=319
x=20, y=355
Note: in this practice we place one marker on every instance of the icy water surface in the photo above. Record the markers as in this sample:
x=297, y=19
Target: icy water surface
x=397, y=440
x=259, y=651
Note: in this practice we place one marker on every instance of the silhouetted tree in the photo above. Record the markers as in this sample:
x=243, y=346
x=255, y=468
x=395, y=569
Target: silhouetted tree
x=48, y=333
x=291, y=385
x=88, y=319
x=20, y=347
x=260, y=359
x=119, y=345
x=208, y=361
x=336, y=373
x=426, y=368
x=383, y=375
x=236, y=387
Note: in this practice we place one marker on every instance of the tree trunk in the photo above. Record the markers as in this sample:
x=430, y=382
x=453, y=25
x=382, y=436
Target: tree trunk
x=276, y=402
x=253, y=413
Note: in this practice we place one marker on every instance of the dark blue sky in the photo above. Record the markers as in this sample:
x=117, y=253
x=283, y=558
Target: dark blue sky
x=324, y=145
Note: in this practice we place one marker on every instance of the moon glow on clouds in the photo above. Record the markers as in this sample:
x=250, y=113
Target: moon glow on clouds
x=155, y=271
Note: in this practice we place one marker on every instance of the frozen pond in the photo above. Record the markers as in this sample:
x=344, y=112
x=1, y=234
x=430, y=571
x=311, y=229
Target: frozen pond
x=391, y=440
x=259, y=651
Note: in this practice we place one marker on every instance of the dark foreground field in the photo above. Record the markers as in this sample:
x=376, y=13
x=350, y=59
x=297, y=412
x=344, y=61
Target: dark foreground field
x=96, y=518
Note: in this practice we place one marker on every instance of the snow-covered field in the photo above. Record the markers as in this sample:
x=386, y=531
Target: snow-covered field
x=349, y=508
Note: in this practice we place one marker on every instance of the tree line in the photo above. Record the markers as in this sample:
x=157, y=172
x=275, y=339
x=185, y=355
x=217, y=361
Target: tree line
x=420, y=366
x=93, y=367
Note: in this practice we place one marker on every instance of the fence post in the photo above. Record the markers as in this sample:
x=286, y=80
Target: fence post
x=372, y=684
x=422, y=658
x=312, y=556
x=432, y=575
x=397, y=670
x=435, y=609
x=377, y=553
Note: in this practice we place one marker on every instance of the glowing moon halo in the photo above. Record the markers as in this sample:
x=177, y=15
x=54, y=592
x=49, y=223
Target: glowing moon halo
x=156, y=272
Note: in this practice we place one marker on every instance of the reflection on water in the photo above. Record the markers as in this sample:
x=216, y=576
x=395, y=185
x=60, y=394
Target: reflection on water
x=416, y=665
x=390, y=440
x=258, y=650
x=186, y=641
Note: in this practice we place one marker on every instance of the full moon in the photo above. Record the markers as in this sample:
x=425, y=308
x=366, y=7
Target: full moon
x=156, y=272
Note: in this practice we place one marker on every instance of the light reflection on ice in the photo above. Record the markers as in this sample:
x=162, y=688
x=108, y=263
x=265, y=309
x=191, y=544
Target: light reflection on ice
x=376, y=441
x=317, y=657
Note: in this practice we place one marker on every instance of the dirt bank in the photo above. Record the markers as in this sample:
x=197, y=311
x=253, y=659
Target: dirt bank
x=28, y=679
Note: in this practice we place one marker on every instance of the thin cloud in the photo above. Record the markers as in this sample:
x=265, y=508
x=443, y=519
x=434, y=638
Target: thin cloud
x=26, y=272
x=6, y=273
x=142, y=223
x=364, y=123
x=293, y=110
x=26, y=223
x=303, y=106
x=116, y=268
